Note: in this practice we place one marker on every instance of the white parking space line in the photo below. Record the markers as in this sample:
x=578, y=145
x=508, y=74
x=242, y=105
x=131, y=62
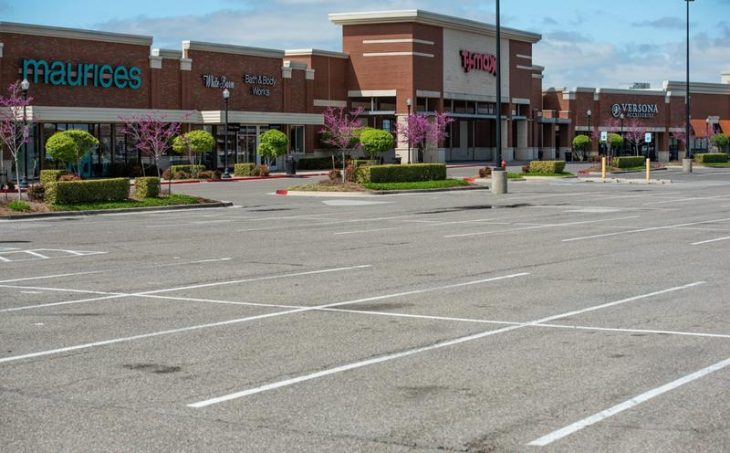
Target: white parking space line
x=111, y=295
x=365, y=231
x=635, y=401
x=540, y=226
x=643, y=230
x=439, y=345
x=249, y=318
x=211, y=260
x=711, y=240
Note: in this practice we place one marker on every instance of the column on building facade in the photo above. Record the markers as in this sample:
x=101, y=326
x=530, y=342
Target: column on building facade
x=154, y=87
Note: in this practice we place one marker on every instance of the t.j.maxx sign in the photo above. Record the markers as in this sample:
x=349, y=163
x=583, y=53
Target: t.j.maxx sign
x=471, y=61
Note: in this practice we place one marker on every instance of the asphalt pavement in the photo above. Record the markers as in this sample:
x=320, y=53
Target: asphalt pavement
x=563, y=316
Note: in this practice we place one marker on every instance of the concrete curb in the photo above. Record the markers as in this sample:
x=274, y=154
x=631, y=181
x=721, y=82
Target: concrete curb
x=302, y=193
x=217, y=204
x=626, y=181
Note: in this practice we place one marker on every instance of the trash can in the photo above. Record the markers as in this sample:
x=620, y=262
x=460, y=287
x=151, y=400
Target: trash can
x=291, y=165
x=396, y=159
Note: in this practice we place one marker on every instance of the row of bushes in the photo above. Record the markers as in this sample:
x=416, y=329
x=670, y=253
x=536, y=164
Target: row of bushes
x=57, y=190
x=399, y=173
x=546, y=166
x=628, y=161
x=711, y=158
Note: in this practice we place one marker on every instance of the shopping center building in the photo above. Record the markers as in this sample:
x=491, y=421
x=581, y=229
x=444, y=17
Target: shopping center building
x=391, y=63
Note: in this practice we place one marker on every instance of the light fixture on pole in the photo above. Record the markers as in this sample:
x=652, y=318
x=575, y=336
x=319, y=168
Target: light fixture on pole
x=408, y=124
x=622, y=116
x=24, y=87
x=498, y=142
x=226, y=95
x=687, y=161
x=590, y=130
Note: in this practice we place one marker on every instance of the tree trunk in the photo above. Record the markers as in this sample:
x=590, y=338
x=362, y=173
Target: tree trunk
x=17, y=174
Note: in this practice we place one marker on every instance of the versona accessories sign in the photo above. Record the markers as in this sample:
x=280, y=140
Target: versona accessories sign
x=478, y=61
x=60, y=73
x=634, y=110
x=260, y=84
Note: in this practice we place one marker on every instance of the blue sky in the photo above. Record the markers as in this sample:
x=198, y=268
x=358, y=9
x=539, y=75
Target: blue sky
x=585, y=43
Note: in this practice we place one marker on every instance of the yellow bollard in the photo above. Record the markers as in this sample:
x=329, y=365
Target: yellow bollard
x=603, y=169
x=648, y=170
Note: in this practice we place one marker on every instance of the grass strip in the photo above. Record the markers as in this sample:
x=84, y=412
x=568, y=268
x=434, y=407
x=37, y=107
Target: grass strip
x=417, y=185
x=175, y=199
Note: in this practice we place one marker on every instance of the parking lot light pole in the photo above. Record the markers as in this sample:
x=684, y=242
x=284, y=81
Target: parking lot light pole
x=499, y=176
x=687, y=161
x=226, y=174
x=408, y=119
x=590, y=130
x=24, y=87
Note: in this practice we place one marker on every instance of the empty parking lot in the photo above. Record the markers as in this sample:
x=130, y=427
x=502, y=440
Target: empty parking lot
x=563, y=316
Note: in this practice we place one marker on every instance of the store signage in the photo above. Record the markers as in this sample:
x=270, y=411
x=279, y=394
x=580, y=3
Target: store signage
x=635, y=110
x=59, y=73
x=214, y=81
x=260, y=84
x=647, y=137
x=478, y=61
x=604, y=136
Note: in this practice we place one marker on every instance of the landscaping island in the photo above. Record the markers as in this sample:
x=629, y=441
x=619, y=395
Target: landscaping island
x=60, y=192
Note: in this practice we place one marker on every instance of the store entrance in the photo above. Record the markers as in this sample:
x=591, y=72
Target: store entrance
x=246, y=144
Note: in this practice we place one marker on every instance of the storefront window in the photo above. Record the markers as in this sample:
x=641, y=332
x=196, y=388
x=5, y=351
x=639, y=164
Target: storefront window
x=296, y=139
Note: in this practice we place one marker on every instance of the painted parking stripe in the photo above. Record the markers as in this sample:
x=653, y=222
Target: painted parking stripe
x=546, y=225
x=635, y=401
x=643, y=230
x=711, y=240
x=247, y=319
x=439, y=345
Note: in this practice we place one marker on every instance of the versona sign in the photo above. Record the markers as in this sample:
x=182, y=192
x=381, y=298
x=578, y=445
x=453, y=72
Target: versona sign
x=635, y=110
x=61, y=73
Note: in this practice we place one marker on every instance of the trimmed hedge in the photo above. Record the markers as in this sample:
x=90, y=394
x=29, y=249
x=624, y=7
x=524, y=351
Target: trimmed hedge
x=148, y=187
x=628, y=161
x=547, y=166
x=317, y=163
x=407, y=173
x=710, y=158
x=243, y=169
x=192, y=169
x=69, y=192
x=50, y=176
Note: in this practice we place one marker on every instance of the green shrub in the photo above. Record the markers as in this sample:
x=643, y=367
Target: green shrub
x=148, y=187
x=407, y=172
x=48, y=176
x=581, y=142
x=615, y=140
x=361, y=174
x=189, y=169
x=710, y=158
x=70, y=192
x=19, y=206
x=375, y=141
x=628, y=161
x=720, y=140
x=243, y=169
x=547, y=166
x=273, y=143
x=317, y=163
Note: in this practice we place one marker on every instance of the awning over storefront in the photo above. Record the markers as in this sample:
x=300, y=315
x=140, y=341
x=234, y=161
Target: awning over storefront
x=699, y=127
x=725, y=126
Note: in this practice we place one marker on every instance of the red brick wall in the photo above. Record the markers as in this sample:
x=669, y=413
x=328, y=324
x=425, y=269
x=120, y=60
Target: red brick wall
x=520, y=80
x=233, y=67
x=18, y=47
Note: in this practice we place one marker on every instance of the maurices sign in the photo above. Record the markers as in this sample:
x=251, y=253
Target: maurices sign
x=62, y=73
x=634, y=110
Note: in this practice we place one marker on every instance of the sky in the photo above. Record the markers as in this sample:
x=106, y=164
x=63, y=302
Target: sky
x=585, y=42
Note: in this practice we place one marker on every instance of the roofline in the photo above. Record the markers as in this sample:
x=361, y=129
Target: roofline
x=428, y=18
x=315, y=52
x=231, y=49
x=75, y=33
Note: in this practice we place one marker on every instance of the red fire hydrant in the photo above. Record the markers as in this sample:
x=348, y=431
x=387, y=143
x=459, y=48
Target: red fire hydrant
x=504, y=165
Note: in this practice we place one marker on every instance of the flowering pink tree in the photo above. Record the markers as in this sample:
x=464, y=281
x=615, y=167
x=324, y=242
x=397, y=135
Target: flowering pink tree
x=340, y=129
x=419, y=129
x=152, y=135
x=635, y=132
x=14, y=127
